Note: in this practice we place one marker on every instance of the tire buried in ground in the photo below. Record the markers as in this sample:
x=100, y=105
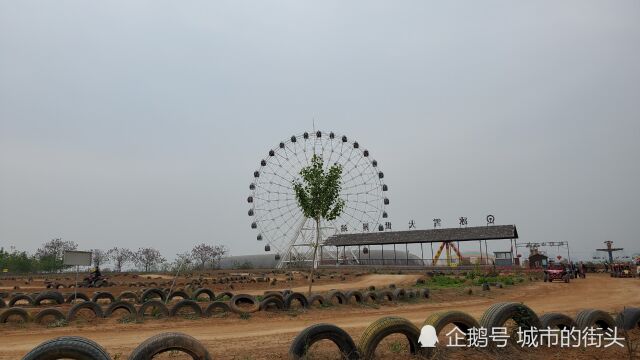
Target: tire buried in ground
x=629, y=319
x=179, y=293
x=461, y=320
x=170, y=342
x=88, y=305
x=121, y=304
x=20, y=297
x=160, y=309
x=316, y=298
x=14, y=311
x=216, y=307
x=556, y=320
x=594, y=318
x=49, y=295
x=354, y=295
x=72, y=297
x=272, y=302
x=400, y=294
x=68, y=347
x=337, y=295
x=152, y=293
x=381, y=328
x=128, y=295
x=103, y=295
x=243, y=298
x=186, y=303
x=42, y=314
x=385, y=295
x=296, y=296
x=314, y=333
x=498, y=314
x=204, y=291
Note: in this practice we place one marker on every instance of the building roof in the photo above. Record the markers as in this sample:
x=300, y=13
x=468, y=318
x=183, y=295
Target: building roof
x=494, y=232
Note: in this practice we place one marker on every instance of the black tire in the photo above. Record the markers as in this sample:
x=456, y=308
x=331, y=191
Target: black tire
x=68, y=347
x=75, y=296
x=273, y=294
x=186, y=303
x=14, y=311
x=314, y=333
x=288, y=300
x=371, y=295
x=381, y=328
x=2, y=303
x=205, y=291
x=73, y=312
x=354, y=295
x=233, y=303
x=20, y=297
x=49, y=295
x=167, y=342
x=223, y=294
x=317, y=298
x=498, y=314
x=179, y=293
x=338, y=295
x=211, y=309
x=596, y=318
x=271, y=302
x=128, y=295
x=103, y=295
x=555, y=320
x=121, y=304
x=400, y=294
x=386, y=295
x=162, y=309
x=462, y=320
x=629, y=319
x=149, y=294
x=57, y=314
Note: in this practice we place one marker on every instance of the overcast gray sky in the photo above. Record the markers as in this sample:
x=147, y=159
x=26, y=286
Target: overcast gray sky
x=138, y=123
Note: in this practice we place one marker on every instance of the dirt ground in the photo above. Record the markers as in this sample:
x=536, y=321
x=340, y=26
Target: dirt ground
x=267, y=335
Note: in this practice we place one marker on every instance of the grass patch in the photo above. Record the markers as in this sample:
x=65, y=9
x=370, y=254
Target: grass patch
x=58, y=323
x=397, y=347
x=245, y=316
x=128, y=319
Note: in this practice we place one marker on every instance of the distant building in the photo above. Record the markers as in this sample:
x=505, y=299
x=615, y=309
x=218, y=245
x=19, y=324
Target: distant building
x=538, y=261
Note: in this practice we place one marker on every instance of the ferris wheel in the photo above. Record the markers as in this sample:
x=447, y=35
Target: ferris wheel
x=279, y=222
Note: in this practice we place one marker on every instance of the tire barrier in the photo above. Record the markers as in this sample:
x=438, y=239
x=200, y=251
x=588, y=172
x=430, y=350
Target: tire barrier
x=121, y=305
x=149, y=294
x=159, y=309
x=243, y=298
x=216, y=307
x=103, y=295
x=314, y=333
x=556, y=320
x=89, y=305
x=316, y=298
x=128, y=295
x=170, y=342
x=15, y=311
x=20, y=297
x=186, y=303
x=74, y=296
x=385, y=295
x=296, y=296
x=498, y=314
x=43, y=314
x=593, y=317
x=271, y=302
x=68, y=347
x=204, y=291
x=49, y=295
x=629, y=319
x=381, y=328
x=178, y=293
x=461, y=320
x=354, y=295
x=399, y=294
x=338, y=296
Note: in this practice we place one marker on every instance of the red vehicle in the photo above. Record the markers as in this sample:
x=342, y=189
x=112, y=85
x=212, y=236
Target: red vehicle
x=556, y=272
x=621, y=271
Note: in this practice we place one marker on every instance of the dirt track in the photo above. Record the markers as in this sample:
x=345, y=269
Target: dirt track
x=268, y=335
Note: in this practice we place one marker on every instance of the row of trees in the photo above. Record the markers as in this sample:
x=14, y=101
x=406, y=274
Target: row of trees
x=49, y=258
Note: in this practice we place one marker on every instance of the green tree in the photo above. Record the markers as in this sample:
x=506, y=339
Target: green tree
x=318, y=196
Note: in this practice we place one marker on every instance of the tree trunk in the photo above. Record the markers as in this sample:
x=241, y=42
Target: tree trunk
x=315, y=251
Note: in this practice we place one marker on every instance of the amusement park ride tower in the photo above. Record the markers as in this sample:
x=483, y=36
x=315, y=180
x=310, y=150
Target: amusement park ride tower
x=610, y=249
